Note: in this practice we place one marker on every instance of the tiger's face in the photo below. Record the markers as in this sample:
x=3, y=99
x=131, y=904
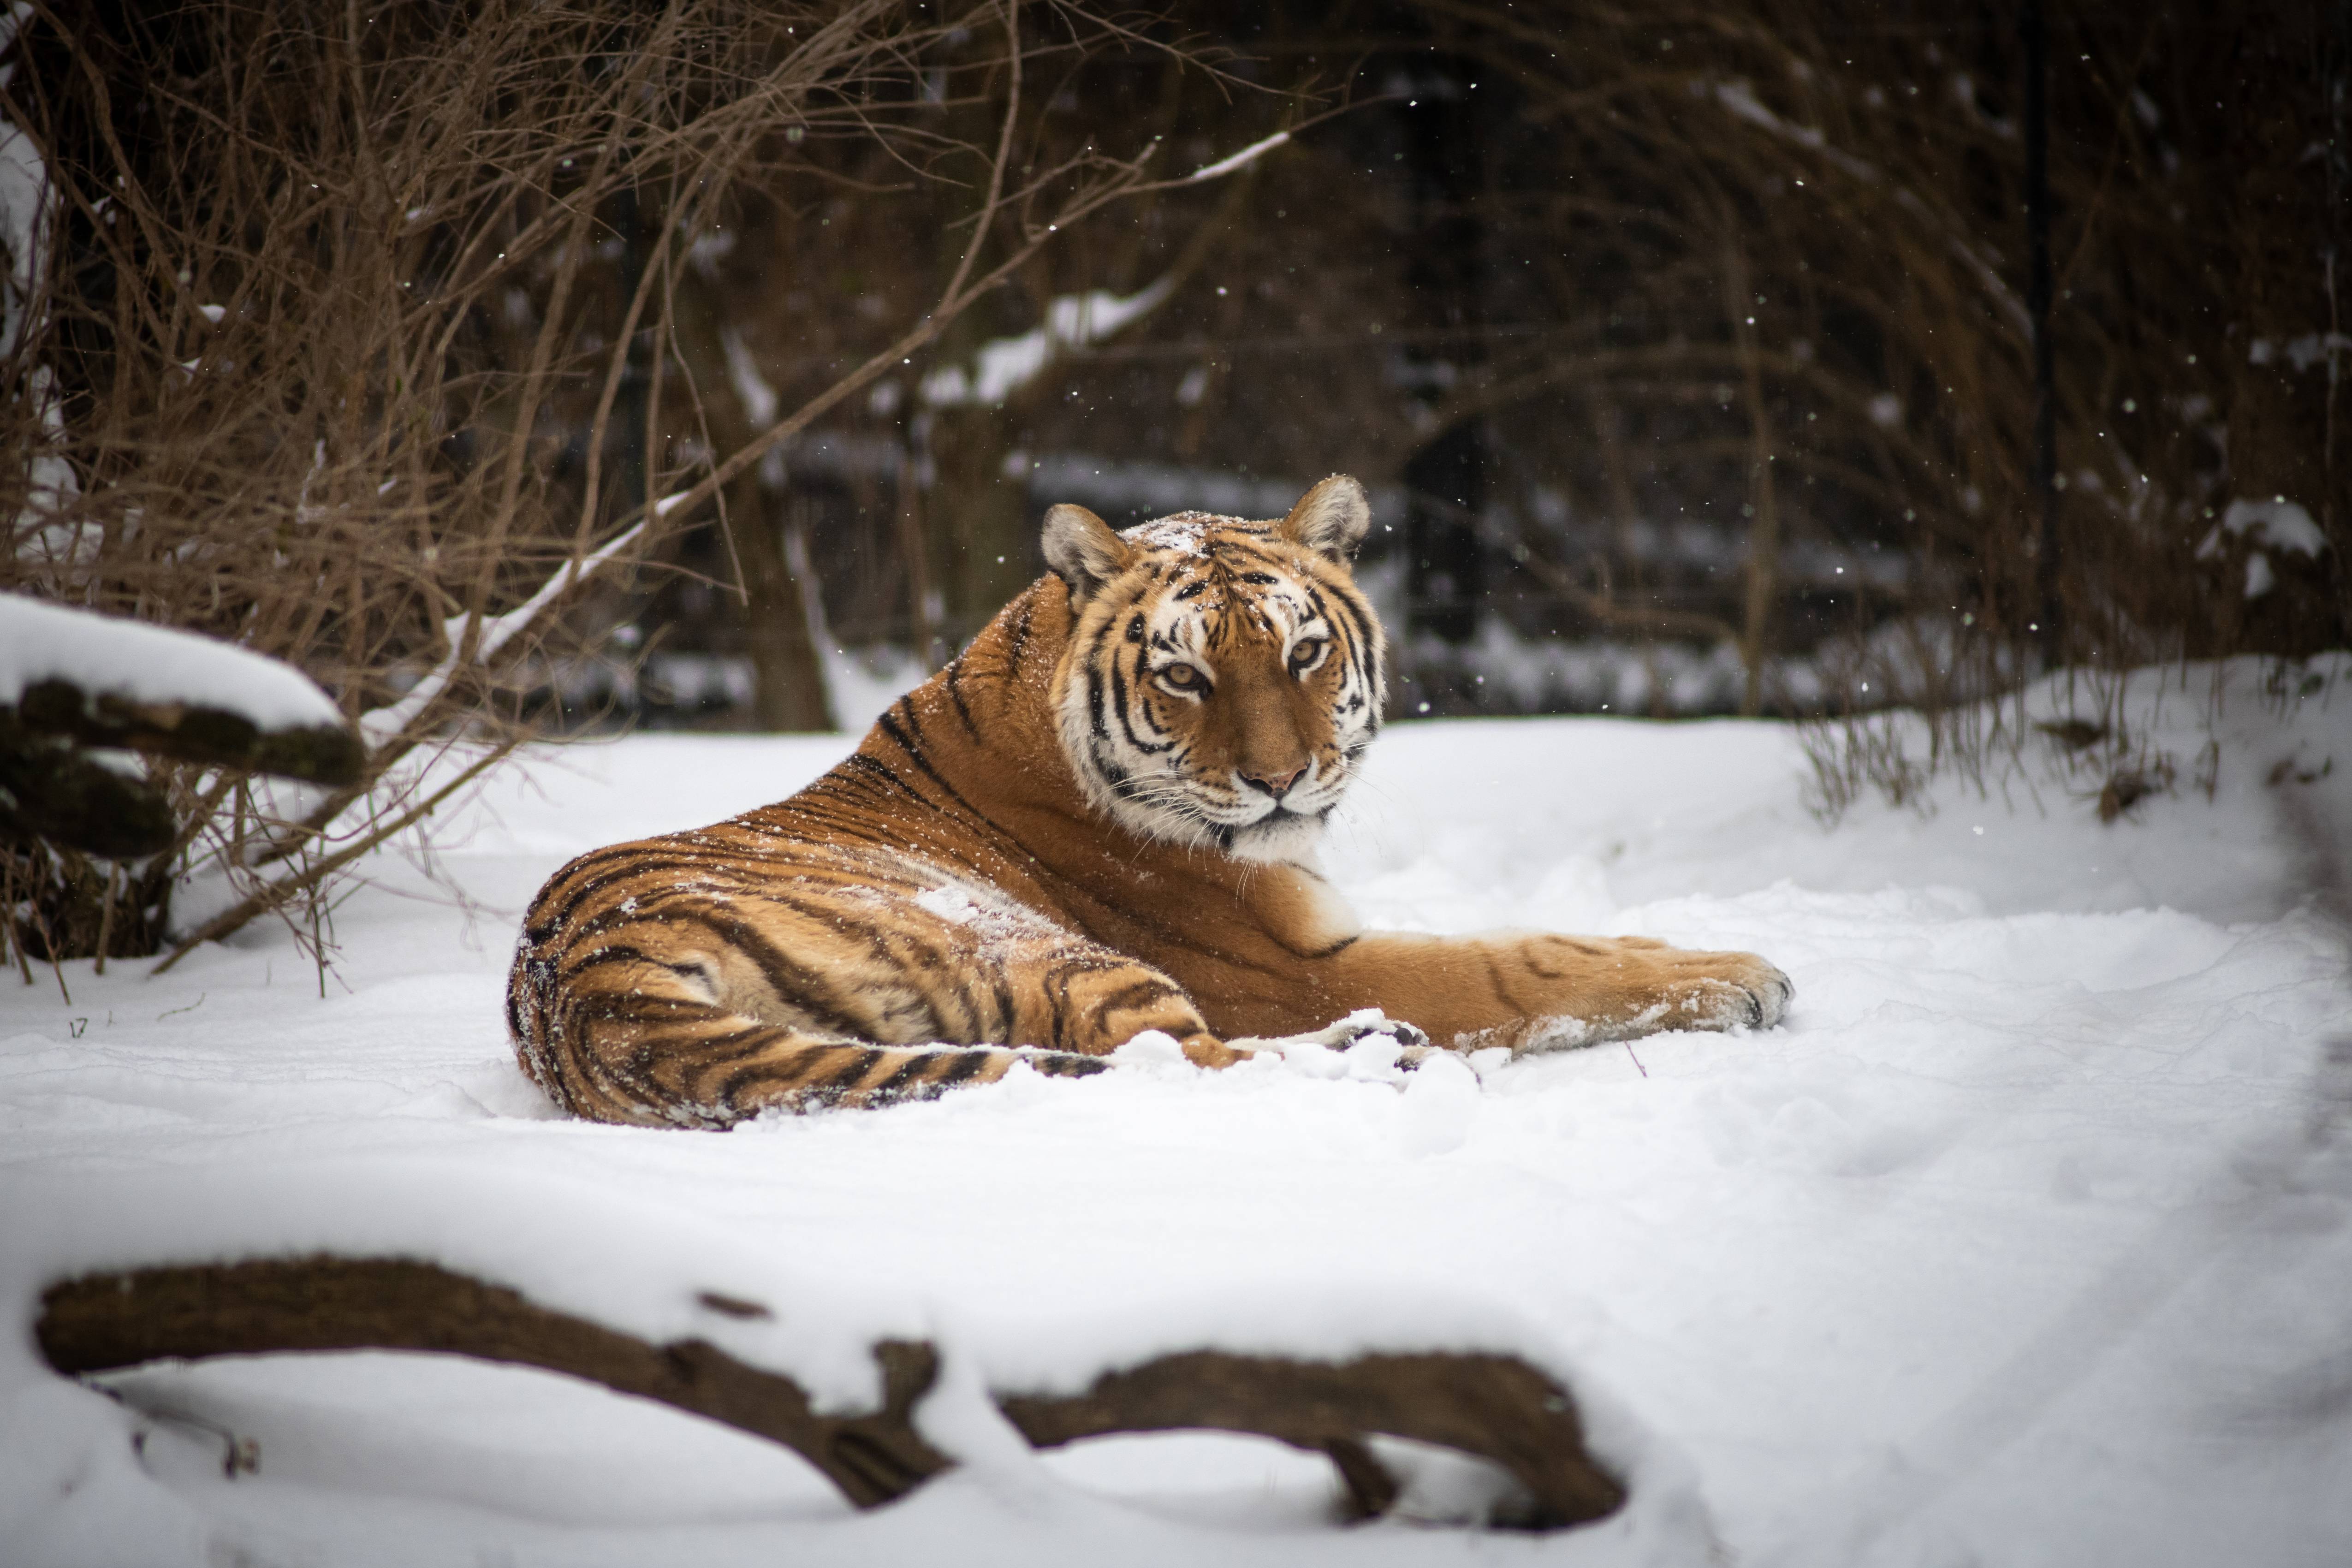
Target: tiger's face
x=1223, y=678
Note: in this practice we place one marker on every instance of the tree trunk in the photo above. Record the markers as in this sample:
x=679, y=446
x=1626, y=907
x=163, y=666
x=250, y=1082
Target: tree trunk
x=1763, y=594
x=979, y=511
x=788, y=687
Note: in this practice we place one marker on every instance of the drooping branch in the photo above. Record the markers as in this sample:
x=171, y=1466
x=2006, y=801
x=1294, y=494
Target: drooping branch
x=102, y=1321
x=1495, y=1406
x=1498, y=1407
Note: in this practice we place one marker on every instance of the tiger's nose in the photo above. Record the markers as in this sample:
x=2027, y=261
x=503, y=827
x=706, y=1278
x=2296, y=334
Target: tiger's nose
x=1274, y=785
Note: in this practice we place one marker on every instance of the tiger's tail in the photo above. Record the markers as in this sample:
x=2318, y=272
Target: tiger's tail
x=676, y=1061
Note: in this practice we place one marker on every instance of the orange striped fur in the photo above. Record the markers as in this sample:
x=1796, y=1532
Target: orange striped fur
x=1100, y=819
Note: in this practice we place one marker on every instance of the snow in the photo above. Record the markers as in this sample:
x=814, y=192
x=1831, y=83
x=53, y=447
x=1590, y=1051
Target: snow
x=1005, y=366
x=27, y=211
x=1241, y=160
x=140, y=662
x=2303, y=352
x=2026, y=1240
x=1740, y=99
x=2278, y=522
x=25, y=206
x=760, y=399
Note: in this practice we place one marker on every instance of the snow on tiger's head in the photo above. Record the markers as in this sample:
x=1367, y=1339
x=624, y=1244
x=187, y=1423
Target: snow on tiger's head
x=1222, y=678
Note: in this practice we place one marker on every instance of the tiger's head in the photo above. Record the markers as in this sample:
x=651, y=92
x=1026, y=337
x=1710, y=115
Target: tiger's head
x=1222, y=679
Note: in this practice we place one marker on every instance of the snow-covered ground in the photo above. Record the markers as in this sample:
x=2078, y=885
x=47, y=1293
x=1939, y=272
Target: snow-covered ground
x=2025, y=1241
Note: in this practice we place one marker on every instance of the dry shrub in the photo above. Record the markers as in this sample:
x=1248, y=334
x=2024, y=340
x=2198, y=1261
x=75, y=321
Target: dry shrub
x=347, y=333
x=1727, y=314
x=1791, y=255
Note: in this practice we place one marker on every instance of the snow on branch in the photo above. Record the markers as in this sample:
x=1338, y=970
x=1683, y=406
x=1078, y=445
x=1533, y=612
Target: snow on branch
x=99, y=680
x=1241, y=160
x=386, y=723
x=1005, y=366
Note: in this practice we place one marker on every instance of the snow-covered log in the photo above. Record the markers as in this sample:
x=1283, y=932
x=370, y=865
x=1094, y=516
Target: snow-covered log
x=321, y=1303
x=98, y=680
x=1495, y=1406
x=72, y=679
x=51, y=792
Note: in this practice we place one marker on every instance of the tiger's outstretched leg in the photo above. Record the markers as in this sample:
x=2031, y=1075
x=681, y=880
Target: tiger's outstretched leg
x=723, y=977
x=1533, y=991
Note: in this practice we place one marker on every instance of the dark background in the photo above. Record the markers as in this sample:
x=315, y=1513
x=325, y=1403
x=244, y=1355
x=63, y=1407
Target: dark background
x=1770, y=356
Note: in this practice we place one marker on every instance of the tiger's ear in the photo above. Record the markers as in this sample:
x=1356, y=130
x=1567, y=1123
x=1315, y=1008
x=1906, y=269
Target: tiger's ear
x=1083, y=551
x=1331, y=518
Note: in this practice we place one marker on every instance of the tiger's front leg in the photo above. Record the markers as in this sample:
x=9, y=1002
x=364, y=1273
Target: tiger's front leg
x=1537, y=991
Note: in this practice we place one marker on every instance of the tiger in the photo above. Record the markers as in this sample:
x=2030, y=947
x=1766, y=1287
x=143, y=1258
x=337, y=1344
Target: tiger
x=1098, y=820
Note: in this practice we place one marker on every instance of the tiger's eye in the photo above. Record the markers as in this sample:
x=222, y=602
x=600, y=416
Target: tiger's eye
x=1182, y=677
x=1307, y=653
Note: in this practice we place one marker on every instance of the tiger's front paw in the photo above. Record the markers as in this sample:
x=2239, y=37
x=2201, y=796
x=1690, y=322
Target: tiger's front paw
x=1363, y=1022
x=1745, y=993
x=1772, y=1002
x=1366, y=1045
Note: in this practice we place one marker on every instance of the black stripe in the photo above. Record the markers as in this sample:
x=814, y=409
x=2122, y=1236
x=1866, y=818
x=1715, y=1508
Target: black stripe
x=734, y=1045
x=964, y=1064
x=1359, y=620
x=804, y=986
x=1126, y=720
x=955, y=694
x=1006, y=1007
x=1018, y=639
x=915, y=756
x=1095, y=702
x=1136, y=994
x=848, y=1075
x=873, y=770
x=571, y=969
x=916, y=1066
x=1067, y=1064
x=639, y=860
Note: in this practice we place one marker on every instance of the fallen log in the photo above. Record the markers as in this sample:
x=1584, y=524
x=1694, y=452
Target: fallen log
x=1493, y=1406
